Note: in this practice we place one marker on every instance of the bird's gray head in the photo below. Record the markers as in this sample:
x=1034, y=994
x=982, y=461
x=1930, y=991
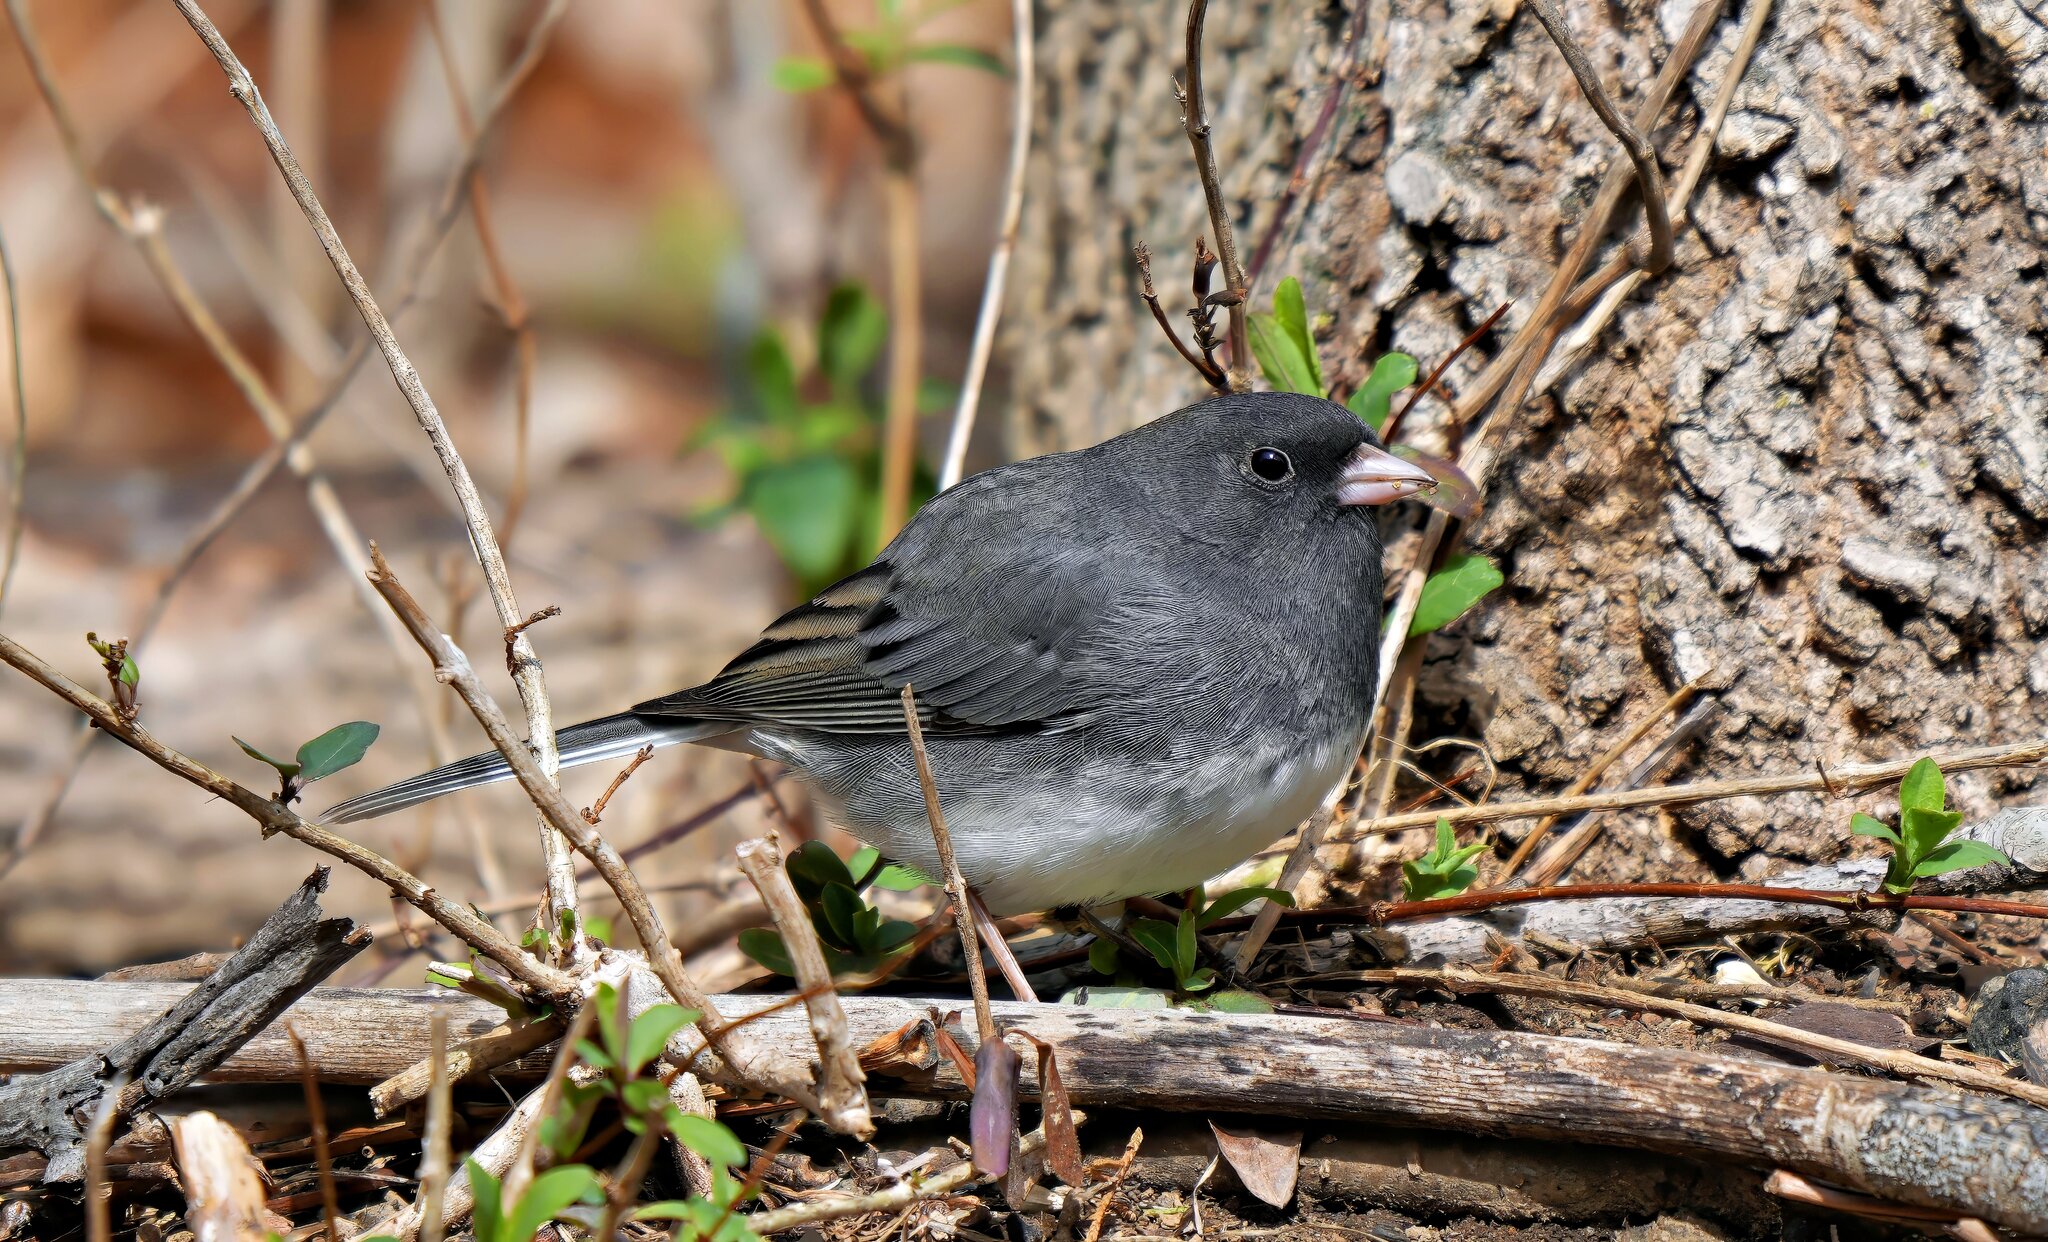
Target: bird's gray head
x=1272, y=459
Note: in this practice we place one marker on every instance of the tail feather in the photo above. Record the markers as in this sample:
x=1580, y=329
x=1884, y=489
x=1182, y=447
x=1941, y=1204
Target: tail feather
x=593, y=741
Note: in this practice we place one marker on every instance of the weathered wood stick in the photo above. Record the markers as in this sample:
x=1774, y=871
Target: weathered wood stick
x=1913, y=1144
x=184, y=1031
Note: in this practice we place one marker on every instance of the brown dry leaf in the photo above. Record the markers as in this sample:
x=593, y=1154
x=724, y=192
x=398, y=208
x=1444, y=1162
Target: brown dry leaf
x=1266, y=1161
x=1062, y=1145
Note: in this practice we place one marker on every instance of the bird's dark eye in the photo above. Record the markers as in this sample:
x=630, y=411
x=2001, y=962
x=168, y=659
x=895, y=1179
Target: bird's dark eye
x=1271, y=464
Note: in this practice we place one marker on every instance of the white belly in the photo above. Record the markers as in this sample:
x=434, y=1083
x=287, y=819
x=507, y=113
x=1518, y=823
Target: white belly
x=1093, y=838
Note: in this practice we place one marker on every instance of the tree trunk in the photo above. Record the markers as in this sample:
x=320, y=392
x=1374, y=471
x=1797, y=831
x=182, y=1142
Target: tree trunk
x=1809, y=463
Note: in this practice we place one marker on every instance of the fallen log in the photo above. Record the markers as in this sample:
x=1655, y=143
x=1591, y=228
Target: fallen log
x=1923, y=1145
x=166, y=1044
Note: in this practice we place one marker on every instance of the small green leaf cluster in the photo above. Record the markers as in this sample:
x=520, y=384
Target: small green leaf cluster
x=804, y=450
x=1286, y=351
x=623, y=1050
x=343, y=746
x=122, y=675
x=1175, y=946
x=1450, y=592
x=1920, y=847
x=855, y=936
x=886, y=47
x=1445, y=871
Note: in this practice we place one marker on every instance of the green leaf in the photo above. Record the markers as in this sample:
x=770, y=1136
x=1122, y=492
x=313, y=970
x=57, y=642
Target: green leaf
x=285, y=767
x=1230, y=903
x=1924, y=830
x=766, y=948
x=812, y=866
x=709, y=1139
x=533, y=936
x=1291, y=310
x=1957, y=855
x=808, y=510
x=343, y=746
x=1464, y=580
x=489, y=1197
x=551, y=1193
x=960, y=54
x=771, y=379
x=850, y=337
x=892, y=935
x=1185, y=949
x=651, y=1033
x=1235, y=1000
x=1285, y=367
x=611, y=1022
x=900, y=878
x=1866, y=826
x=1199, y=980
x=129, y=673
x=862, y=866
x=1102, y=956
x=1419, y=883
x=1374, y=399
x=1923, y=788
x=797, y=74
x=841, y=907
x=1158, y=937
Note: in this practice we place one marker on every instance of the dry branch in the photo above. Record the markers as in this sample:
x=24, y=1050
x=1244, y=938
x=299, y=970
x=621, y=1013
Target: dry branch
x=224, y=1199
x=1836, y=782
x=452, y=667
x=274, y=817
x=411, y=270
x=1930, y=1146
x=525, y=665
x=840, y=1079
x=1821, y=1047
x=1024, y=68
x=912, y=1189
x=17, y=458
x=293, y=950
x=1195, y=118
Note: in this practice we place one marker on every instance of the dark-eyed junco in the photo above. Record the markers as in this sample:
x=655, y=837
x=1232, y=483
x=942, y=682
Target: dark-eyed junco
x=1137, y=663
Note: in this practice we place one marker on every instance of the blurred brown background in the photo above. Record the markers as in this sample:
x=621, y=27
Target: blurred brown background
x=657, y=200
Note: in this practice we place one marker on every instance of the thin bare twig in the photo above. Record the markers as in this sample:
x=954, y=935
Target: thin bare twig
x=1849, y=779
x=17, y=460
x=1788, y=1185
x=595, y=811
x=956, y=884
x=1591, y=776
x=1393, y=425
x=1566, y=850
x=1204, y=366
x=1195, y=118
x=840, y=1079
x=435, y=1142
x=1649, y=178
x=888, y=119
x=1823, y=1047
x=520, y=1172
x=912, y=1189
x=98, y=1225
x=543, y=980
x=316, y=1118
x=512, y=308
x=743, y=1062
x=1021, y=87
x=1108, y=1200
x=1835, y=899
x=411, y=268
x=525, y=665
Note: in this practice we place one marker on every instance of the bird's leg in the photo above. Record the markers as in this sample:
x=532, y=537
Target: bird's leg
x=999, y=948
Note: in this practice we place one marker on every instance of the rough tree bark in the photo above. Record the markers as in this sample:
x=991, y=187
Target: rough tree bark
x=1810, y=461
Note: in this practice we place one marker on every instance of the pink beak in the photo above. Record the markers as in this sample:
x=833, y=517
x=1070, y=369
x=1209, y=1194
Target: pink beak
x=1373, y=476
